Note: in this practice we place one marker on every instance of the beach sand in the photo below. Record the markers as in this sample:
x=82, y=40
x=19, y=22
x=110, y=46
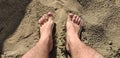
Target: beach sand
x=19, y=28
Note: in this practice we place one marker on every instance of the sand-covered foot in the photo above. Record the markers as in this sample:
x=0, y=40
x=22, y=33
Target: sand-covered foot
x=45, y=43
x=73, y=27
x=46, y=27
x=74, y=45
x=73, y=24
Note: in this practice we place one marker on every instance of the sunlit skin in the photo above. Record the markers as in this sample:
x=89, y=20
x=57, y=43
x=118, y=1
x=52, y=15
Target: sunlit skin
x=74, y=45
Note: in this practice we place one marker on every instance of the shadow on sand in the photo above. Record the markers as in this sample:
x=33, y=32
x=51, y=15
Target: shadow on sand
x=11, y=14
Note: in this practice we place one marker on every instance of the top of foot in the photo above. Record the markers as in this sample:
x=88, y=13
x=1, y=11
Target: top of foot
x=46, y=23
x=73, y=24
x=46, y=27
x=73, y=29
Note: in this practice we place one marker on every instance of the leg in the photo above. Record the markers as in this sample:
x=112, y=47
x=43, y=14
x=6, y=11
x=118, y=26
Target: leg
x=74, y=45
x=44, y=46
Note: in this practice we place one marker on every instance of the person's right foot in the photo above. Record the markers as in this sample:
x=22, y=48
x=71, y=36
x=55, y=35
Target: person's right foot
x=74, y=45
x=73, y=28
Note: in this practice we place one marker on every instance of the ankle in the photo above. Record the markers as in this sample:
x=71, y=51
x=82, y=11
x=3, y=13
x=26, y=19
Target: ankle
x=44, y=41
x=72, y=35
x=44, y=48
x=45, y=34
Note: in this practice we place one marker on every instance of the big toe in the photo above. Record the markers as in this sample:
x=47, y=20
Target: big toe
x=50, y=16
x=70, y=16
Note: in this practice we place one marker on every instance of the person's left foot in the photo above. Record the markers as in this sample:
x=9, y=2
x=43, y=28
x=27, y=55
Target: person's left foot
x=46, y=27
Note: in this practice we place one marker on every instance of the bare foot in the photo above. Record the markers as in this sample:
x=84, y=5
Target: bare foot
x=44, y=46
x=73, y=27
x=73, y=24
x=74, y=45
x=46, y=27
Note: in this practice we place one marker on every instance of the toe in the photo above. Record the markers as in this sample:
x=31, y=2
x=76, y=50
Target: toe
x=41, y=20
x=45, y=17
x=74, y=18
x=77, y=19
x=70, y=16
x=50, y=16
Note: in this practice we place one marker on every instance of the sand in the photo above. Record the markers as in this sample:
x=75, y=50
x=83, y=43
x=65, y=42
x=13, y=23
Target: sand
x=19, y=28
